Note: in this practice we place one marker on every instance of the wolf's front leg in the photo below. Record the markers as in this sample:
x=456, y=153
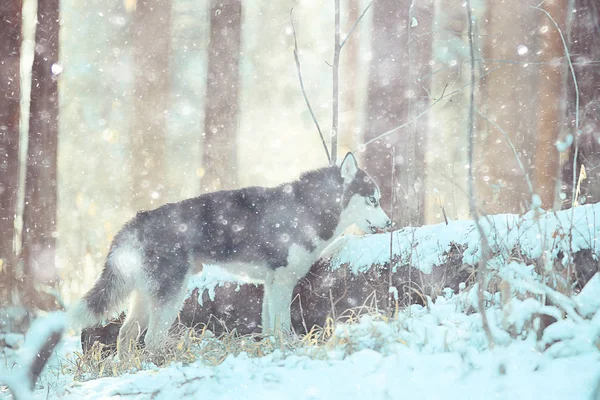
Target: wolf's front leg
x=279, y=302
x=265, y=318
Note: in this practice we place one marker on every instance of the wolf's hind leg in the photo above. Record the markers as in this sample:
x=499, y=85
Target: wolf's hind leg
x=135, y=324
x=265, y=317
x=164, y=311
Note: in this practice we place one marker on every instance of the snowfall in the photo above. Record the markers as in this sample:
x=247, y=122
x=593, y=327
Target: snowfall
x=436, y=351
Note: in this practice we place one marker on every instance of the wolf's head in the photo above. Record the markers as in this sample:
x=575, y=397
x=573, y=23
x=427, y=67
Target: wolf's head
x=360, y=201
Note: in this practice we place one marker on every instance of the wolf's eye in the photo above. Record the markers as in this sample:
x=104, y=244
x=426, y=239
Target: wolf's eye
x=372, y=200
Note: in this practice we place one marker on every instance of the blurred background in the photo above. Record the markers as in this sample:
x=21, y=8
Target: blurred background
x=112, y=106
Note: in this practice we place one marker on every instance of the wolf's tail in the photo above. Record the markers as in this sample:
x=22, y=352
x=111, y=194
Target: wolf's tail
x=108, y=293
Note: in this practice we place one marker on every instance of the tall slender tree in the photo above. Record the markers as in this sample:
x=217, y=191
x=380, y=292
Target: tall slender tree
x=348, y=139
x=401, y=47
x=551, y=108
x=151, y=41
x=10, y=94
x=39, y=213
x=506, y=97
x=222, y=93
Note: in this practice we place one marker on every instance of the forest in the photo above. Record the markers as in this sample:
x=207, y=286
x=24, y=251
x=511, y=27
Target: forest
x=478, y=120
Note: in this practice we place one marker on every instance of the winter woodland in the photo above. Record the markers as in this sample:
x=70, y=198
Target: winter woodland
x=478, y=119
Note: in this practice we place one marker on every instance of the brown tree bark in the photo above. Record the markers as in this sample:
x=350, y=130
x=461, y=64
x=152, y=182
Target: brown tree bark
x=219, y=155
x=401, y=48
x=39, y=213
x=506, y=99
x=550, y=102
x=10, y=95
x=584, y=44
x=151, y=46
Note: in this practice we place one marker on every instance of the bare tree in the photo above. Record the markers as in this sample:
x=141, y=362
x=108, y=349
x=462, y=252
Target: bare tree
x=39, y=213
x=221, y=110
x=10, y=94
x=401, y=48
x=151, y=41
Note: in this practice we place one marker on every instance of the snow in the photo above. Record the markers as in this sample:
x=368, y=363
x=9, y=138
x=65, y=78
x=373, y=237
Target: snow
x=425, y=247
x=517, y=372
x=588, y=300
x=542, y=350
x=437, y=351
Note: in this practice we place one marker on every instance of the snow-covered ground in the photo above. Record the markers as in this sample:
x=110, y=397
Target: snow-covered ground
x=437, y=351
x=400, y=371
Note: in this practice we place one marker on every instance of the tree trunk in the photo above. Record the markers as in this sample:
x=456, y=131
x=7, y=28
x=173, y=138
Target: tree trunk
x=222, y=90
x=584, y=44
x=348, y=138
x=151, y=41
x=401, y=48
x=420, y=54
x=550, y=102
x=506, y=99
x=447, y=148
x=39, y=213
x=10, y=96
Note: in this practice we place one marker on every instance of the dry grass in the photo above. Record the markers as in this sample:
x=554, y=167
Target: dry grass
x=188, y=345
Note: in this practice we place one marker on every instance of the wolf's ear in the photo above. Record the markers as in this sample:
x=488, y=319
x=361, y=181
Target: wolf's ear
x=349, y=168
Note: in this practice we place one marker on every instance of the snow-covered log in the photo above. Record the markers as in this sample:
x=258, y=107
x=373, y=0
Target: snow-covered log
x=425, y=260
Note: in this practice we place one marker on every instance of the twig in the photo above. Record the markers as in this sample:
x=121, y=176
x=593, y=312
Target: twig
x=301, y=312
x=336, y=77
x=442, y=97
x=439, y=200
x=355, y=25
x=393, y=130
x=312, y=114
x=390, y=275
x=473, y=208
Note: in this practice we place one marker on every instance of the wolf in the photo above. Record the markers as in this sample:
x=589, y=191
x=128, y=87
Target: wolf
x=267, y=235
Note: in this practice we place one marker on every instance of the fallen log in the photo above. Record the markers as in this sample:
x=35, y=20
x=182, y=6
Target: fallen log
x=356, y=272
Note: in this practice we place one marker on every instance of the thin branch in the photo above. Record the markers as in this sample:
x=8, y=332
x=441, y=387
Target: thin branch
x=336, y=92
x=355, y=25
x=393, y=130
x=473, y=208
x=506, y=61
x=393, y=204
x=312, y=114
x=442, y=97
